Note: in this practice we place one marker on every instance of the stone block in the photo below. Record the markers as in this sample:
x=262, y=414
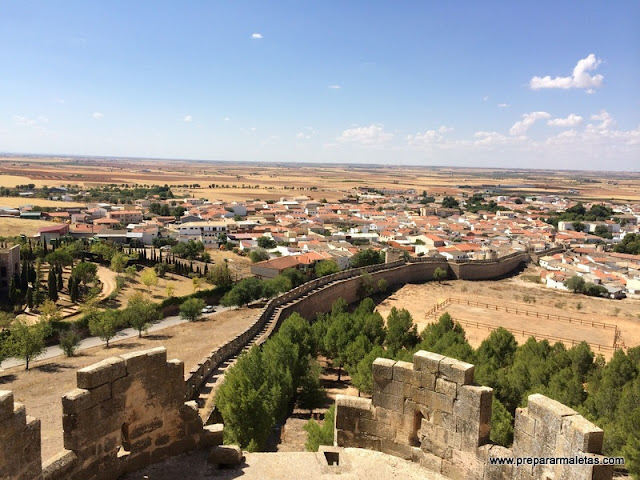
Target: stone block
x=446, y=387
x=382, y=371
x=433, y=446
x=445, y=420
x=100, y=373
x=390, y=402
x=426, y=361
x=541, y=407
x=60, y=465
x=6, y=404
x=403, y=372
x=439, y=402
x=447, y=437
x=456, y=371
x=396, y=449
x=525, y=422
x=583, y=435
x=79, y=400
x=427, y=380
x=228, y=455
x=475, y=395
x=145, y=361
x=473, y=433
x=395, y=387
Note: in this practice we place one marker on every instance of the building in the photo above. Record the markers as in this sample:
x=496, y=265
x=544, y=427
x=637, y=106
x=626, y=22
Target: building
x=206, y=232
x=47, y=234
x=126, y=217
x=9, y=265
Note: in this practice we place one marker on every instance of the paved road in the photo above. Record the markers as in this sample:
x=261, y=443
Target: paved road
x=89, y=342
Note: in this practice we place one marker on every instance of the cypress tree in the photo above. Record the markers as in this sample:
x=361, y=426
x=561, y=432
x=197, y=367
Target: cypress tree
x=74, y=291
x=24, y=275
x=52, y=285
x=30, y=298
x=13, y=291
x=60, y=284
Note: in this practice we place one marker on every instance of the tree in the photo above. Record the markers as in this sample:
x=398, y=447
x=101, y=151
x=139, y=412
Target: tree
x=501, y=424
x=578, y=226
x=104, y=250
x=169, y=290
x=15, y=295
x=318, y=434
x=49, y=312
x=266, y=242
x=85, y=272
x=69, y=341
x=104, y=325
x=450, y=202
x=195, y=281
x=258, y=255
x=140, y=313
x=74, y=290
x=149, y=278
x=382, y=285
x=439, y=274
x=326, y=267
x=367, y=257
x=52, y=285
x=27, y=342
x=576, y=284
x=312, y=394
x=119, y=262
x=220, y=275
x=60, y=285
x=401, y=331
x=130, y=272
x=161, y=269
x=191, y=309
x=29, y=298
x=243, y=292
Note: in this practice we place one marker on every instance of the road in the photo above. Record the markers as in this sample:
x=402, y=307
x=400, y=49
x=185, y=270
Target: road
x=90, y=342
x=108, y=279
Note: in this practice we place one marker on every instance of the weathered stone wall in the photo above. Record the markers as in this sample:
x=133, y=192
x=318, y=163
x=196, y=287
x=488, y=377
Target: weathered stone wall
x=20, y=451
x=126, y=413
x=430, y=412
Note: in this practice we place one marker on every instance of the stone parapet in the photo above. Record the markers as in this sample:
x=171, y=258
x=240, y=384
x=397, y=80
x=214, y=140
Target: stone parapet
x=430, y=412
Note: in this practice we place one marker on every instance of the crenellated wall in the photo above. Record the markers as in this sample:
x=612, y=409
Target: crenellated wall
x=126, y=413
x=19, y=441
x=430, y=412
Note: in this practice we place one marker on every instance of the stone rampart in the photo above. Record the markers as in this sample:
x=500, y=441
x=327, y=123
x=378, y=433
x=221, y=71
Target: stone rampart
x=430, y=412
x=126, y=413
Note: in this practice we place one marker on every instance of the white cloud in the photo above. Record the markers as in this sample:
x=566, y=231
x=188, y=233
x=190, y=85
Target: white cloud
x=489, y=138
x=227, y=119
x=187, y=118
x=578, y=79
x=503, y=105
x=605, y=120
x=335, y=87
x=428, y=137
x=97, y=115
x=528, y=119
x=256, y=36
x=373, y=135
x=305, y=134
x=30, y=121
x=571, y=121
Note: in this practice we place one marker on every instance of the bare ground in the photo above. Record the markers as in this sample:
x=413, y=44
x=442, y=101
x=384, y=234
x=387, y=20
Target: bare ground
x=41, y=388
x=419, y=299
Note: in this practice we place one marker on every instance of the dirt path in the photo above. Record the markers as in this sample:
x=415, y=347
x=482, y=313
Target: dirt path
x=108, y=279
x=41, y=388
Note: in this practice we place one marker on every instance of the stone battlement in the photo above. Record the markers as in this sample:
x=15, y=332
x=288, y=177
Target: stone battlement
x=126, y=413
x=430, y=412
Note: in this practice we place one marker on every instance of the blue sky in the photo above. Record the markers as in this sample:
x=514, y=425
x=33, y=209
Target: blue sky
x=494, y=84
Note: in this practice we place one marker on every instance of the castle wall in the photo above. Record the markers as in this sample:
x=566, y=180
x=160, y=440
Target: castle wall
x=126, y=413
x=20, y=451
x=430, y=412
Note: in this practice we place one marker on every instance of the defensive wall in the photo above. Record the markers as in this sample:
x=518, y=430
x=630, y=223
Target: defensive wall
x=127, y=412
x=430, y=412
x=318, y=295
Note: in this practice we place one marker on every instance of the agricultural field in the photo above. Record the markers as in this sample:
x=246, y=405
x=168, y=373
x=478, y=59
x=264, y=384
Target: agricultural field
x=235, y=181
x=10, y=226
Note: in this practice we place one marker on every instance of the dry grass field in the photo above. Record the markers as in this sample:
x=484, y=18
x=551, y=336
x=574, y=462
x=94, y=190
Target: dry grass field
x=42, y=387
x=510, y=293
x=268, y=181
x=10, y=227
